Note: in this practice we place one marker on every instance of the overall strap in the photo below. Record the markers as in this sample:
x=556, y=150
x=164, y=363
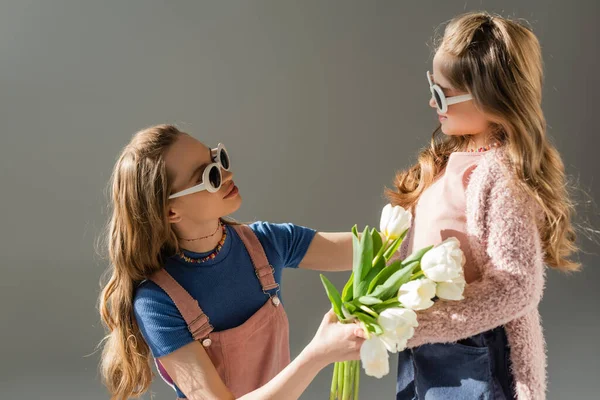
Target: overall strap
x=264, y=270
x=197, y=322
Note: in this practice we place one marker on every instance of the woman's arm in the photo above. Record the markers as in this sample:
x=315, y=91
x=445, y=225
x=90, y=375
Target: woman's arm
x=192, y=370
x=512, y=280
x=329, y=252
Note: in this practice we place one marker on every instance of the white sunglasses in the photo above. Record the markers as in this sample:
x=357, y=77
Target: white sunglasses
x=442, y=102
x=211, y=176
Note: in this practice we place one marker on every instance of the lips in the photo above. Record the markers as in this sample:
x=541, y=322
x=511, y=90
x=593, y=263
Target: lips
x=229, y=189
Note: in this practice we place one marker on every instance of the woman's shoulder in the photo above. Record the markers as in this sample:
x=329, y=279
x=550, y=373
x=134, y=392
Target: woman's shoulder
x=285, y=243
x=276, y=231
x=148, y=294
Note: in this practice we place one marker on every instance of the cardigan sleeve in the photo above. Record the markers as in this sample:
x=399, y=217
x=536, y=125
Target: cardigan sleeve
x=512, y=277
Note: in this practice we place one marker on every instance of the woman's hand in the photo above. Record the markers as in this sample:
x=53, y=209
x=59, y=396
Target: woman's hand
x=335, y=341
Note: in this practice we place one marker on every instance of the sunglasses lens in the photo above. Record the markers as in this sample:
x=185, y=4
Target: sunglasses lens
x=224, y=159
x=214, y=177
x=438, y=99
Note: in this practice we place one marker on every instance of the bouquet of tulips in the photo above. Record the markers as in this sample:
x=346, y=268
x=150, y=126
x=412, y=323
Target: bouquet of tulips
x=382, y=296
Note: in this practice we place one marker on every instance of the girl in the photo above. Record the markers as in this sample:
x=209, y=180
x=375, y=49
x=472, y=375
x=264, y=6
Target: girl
x=494, y=181
x=200, y=293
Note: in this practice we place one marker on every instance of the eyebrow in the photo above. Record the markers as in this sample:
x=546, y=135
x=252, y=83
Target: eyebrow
x=199, y=169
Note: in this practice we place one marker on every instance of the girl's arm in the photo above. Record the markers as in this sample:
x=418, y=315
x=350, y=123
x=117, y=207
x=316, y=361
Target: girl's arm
x=194, y=373
x=512, y=280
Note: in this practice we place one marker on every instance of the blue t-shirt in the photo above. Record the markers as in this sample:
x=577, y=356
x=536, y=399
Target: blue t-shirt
x=225, y=287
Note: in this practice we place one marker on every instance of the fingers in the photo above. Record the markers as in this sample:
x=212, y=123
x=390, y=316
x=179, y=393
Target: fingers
x=358, y=332
x=354, y=332
x=330, y=316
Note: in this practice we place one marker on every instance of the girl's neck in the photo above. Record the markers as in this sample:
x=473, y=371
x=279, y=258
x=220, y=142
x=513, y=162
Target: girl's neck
x=480, y=141
x=207, y=236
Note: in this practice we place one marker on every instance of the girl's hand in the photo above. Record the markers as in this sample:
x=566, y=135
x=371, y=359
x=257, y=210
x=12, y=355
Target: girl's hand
x=335, y=341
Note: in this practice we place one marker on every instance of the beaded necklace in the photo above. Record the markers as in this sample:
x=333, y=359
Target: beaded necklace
x=211, y=256
x=484, y=148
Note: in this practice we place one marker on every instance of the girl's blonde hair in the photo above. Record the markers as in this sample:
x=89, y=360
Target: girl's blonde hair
x=499, y=62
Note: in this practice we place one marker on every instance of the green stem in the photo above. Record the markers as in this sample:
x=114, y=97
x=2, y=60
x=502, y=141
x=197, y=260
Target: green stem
x=365, y=330
x=334, y=382
x=394, y=247
x=340, y=377
x=389, y=301
x=369, y=311
x=384, y=247
x=356, y=378
x=347, y=383
x=417, y=275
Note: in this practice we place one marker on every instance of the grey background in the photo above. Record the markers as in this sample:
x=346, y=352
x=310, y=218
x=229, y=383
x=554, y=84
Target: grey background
x=319, y=103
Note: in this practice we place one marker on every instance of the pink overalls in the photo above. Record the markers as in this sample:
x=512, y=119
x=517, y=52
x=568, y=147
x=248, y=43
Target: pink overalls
x=247, y=356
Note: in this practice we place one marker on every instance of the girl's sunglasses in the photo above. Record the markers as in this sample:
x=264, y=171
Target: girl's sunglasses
x=442, y=102
x=211, y=177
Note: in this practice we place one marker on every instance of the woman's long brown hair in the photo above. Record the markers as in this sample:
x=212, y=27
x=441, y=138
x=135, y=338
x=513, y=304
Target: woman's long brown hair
x=137, y=236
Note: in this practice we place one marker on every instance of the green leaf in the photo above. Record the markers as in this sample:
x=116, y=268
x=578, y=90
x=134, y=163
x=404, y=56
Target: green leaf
x=363, y=257
x=369, y=311
x=373, y=326
x=374, y=271
x=367, y=319
x=384, y=274
x=377, y=242
x=334, y=297
x=377, y=329
x=355, y=250
x=350, y=307
x=348, y=288
x=370, y=327
x=390, y=287
x=391, y=303
x=366, y=252
x=362, y=288
x=394, y=247
x=368, y=300
x=417, y=255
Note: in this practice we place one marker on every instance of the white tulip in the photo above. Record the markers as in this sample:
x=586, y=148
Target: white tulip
x=451, y=290
x=398, y=326
x=394, y=221
x=417, y=294
x=444, y=262
x=374, y=357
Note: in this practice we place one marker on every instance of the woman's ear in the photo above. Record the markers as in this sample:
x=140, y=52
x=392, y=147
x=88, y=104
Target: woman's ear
x=174, y=216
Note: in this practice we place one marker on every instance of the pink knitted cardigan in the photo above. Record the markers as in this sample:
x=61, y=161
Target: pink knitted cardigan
x=506, y=249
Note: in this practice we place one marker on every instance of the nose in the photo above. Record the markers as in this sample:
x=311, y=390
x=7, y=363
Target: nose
x=432, y=102
x=227, y=175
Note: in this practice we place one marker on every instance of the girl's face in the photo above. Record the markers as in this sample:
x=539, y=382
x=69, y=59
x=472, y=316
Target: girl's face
x=185, y=161
x=461, y=118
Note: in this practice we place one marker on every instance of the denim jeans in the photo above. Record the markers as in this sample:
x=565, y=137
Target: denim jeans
x=474, y=368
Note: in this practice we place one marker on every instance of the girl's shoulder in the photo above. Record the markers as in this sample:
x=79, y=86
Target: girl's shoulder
x=494, y=184
x=493, y=170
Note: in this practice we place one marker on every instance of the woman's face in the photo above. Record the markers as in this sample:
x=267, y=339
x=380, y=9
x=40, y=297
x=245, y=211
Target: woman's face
x=461, y=118
x=185, y=161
